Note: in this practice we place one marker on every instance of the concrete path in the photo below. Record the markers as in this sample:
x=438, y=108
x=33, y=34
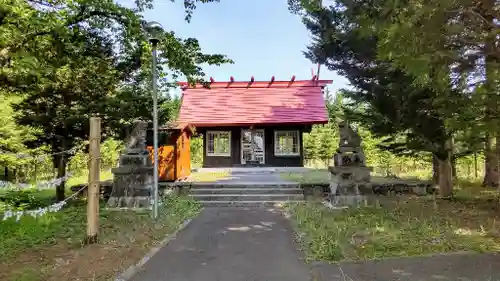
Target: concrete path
x=256, y=169
x=253, y=178
x=230, y=244
x=241, y=244
x=248, y=176
x=449, y=267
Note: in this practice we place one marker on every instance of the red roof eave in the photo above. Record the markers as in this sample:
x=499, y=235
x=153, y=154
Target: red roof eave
x=203, y=125
x=257, y=84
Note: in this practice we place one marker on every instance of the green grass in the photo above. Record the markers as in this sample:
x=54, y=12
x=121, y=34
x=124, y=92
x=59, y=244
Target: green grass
x=28, y=199
x=319, y=176
x=407, y=227
x=311, y=176
x=127, y=234
x=84, y=178
x=209, y=176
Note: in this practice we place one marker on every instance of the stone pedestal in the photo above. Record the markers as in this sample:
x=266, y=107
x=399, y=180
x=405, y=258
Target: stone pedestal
x=349, y=175
x=133, y=178
x=132, y=187
x=346, y=183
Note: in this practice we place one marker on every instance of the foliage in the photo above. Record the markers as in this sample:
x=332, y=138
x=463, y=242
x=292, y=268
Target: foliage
x=443, y=43
x=455, y=35
x=196, y=148
x=110, y=152
x=320, y=143
x=25, y=199
x=172, y=107
x=12, y=137
x=387, y=98
x=384, y=99
x=70, y=60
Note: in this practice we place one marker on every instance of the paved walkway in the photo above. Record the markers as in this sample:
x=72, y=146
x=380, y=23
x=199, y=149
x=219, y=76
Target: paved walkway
x=256, y=169
x=237, y=244
x=230, y=244
x=250, y=176
x=253, y=178
x=451, y=267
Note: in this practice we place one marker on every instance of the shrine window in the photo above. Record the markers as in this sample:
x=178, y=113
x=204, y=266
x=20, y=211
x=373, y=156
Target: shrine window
x=218, y=143
x=286, y=143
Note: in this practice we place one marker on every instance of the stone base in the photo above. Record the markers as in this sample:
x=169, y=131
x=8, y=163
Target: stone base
x=135, y=160
x=333, y=207
x=348, y=200
x=347, y=184
x=129, y=170
x=137, y=202
x=132, y=187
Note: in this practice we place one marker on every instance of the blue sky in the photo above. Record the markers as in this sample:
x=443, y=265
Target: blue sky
x=261, y=36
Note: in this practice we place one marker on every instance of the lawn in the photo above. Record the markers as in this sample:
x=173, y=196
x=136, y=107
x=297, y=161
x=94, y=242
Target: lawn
x=311, y=176
x=408, y=226
x=319, y=176
x=209, y=176
x=75, y=180
x=49, y=248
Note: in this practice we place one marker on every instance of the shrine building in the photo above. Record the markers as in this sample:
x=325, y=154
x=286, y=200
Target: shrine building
x=254, y=123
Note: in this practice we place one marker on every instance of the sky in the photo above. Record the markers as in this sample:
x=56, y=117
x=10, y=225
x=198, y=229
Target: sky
x=261, y=36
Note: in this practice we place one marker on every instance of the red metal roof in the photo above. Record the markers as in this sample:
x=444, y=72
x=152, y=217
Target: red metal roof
x=177, y=126
x=254, y=102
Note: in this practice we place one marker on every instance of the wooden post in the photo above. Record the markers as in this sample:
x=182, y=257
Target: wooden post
x=94, y=181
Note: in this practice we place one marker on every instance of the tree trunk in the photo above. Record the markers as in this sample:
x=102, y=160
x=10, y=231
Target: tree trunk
x=491, y=175
x=445, y=178
x=60, y=163
x=435, y=168
x=445, y=181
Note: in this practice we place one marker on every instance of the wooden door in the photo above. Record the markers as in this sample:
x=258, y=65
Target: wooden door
x=252, y=146
x=166, y=162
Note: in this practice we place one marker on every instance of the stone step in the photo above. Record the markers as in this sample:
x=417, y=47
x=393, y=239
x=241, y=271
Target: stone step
x=247, y=197
x=248, y=190
x=246, y=204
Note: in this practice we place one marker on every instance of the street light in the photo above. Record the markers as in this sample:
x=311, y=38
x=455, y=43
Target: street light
x=154, y=30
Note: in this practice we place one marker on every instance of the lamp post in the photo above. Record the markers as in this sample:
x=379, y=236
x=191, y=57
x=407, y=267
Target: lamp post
x=155, y=30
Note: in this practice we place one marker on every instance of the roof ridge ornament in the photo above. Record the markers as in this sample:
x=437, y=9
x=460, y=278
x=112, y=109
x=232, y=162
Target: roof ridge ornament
x=252, y=83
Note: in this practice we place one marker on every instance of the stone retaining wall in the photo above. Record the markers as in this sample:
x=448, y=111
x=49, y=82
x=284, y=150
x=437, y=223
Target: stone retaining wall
x=388, y=187
x=377, y=188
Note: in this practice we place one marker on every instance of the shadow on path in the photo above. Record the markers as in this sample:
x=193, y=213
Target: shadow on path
x=230, y=244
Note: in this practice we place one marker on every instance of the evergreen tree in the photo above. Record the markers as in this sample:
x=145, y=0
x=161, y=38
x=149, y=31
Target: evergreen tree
x=70, y=60
x=385, y=99
x=457, y=42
